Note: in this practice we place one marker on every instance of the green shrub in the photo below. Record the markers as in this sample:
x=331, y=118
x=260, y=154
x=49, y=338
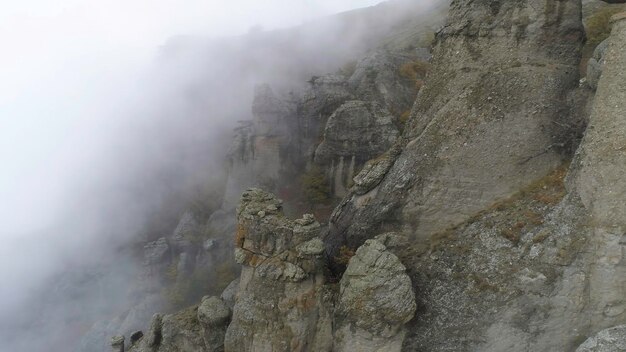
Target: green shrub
x=315, y=186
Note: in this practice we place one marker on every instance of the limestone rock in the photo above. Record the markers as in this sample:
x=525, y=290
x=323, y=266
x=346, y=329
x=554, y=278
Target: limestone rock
x=135, y=336
x=357, y=129
x=155, y=252
x=278, y=303
x=498, y=67
x=595, y=65
x=608, y=340
x=377, y=78
x=229, y=295
x=179, y=332
x=356, y=132
x=214, y=317
x=117, y=344
x=269, y=112
x=372, y=174
x=375, y=301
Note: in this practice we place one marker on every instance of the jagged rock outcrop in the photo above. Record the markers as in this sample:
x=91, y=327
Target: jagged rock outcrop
x=334, y=125
x=608, y=340
x=496, y=251
x=377, y=77
x=214, y=316
x=255, y=157
x=356, y=132
x=283, y=303
x=278, y=303
x=375, y=301
x=483, y=125
x=179, y=332
x=117, y=344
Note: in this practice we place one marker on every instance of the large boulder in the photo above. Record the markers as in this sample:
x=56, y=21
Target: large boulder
x=375, y=301
x=214, y=317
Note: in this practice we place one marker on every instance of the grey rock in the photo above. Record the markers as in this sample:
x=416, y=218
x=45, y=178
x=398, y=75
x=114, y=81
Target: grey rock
x=139, y=314
x=608, y=340
x=154, y=336
x=372, y=174
x=117, y=344
x=255, y=160
x=269, y=112
x=462, y=149
x=357, y=129
x=278, y=305
x=596, y=176
x=375, y=301
x=214, y=317
x=179, y=332
x=156, y=252
x=356, y=132
x=229, y=295
x=135, y=336
x=595, y=65
x=208, y=244
x=377, y=78
x=97, y=338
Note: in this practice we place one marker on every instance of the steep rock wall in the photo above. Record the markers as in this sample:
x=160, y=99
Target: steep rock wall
x=486, y=123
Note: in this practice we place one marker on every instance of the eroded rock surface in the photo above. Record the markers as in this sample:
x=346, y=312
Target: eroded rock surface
x=483, y=125
x=376, y=299
x=356, y=132
x=608, y=340
x=214, y=316
x=278, y=302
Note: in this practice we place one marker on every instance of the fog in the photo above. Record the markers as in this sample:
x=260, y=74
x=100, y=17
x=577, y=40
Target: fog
x=111, y=111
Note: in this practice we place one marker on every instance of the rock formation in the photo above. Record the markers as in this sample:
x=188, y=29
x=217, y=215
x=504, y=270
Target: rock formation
x=376, y=299
x=277, y=306
x=214, y=316
x=503, y=239
x=283, y=302
x=486, y=123
x=355, y=133
x=609, y=340
x=598, y=180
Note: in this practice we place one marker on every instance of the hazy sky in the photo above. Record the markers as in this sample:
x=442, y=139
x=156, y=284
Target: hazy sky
x=66, y=65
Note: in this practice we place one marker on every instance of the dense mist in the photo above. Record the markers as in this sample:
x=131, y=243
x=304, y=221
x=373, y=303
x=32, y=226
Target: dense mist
x=115, y=118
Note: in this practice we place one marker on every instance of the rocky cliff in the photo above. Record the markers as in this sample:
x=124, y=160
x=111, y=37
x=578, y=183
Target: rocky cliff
x=489, y=218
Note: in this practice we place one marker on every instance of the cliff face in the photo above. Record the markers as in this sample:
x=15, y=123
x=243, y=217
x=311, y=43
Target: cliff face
x=484, y=223
x=326, y=131
x=490, y=119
